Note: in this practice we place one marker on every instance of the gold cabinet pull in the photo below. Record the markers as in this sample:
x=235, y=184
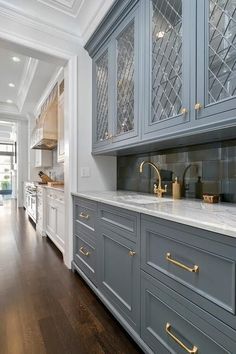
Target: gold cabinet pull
x=85, y=253
x=194, y=350
x=132, y=253
x=198, y=106
x=184, y=111
x=195, y=268
x=84, y=216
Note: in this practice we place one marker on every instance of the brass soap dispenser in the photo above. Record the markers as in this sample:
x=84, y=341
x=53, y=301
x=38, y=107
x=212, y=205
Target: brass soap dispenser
x=176, y=189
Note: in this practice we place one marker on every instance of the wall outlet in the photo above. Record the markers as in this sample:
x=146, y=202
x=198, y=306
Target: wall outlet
x=84, y=172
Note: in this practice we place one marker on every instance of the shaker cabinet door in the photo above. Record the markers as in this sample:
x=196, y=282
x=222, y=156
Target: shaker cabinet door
x=119, y=274
x=216, y=63
x=167, y=66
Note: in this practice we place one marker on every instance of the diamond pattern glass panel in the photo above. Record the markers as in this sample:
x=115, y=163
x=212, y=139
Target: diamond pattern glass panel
x=222, y=50
x=125, y=80
x=102, y=96
x=166, y=59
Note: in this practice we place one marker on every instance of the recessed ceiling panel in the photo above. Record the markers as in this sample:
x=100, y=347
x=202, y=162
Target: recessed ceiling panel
x=69, y=7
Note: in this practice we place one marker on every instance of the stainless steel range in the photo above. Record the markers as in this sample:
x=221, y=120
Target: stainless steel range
x=31, y=200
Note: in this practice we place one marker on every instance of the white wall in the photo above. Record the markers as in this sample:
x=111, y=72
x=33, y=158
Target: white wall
x=102, y=168
x=22, y=159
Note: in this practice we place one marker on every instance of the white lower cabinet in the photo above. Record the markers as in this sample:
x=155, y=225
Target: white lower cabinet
x=55, y=218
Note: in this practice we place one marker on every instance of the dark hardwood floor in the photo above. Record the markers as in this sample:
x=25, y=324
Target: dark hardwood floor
x=44, y=307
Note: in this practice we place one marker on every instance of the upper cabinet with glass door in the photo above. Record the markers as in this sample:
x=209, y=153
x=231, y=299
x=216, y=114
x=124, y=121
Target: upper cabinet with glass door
x=125, y=116
x=167, y=66
x=101, y=109
x=216, y=64
x=116, y=85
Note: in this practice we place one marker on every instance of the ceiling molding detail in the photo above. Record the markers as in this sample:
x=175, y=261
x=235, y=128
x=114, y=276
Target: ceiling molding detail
x=68, y=7
x=56, y=77
x=12, y=13
x=26, y=81
x=7, y=108
x=94, y=19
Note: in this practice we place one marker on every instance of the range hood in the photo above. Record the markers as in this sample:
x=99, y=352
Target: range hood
x=45, y=133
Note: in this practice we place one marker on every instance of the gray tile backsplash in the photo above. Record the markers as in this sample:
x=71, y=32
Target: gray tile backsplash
x=214, y=163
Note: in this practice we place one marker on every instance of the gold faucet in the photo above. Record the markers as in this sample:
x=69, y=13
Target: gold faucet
x=158, y=190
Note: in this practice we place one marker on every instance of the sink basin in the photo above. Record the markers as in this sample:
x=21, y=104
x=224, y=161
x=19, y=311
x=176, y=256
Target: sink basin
x=141, y=199
x=145, y=201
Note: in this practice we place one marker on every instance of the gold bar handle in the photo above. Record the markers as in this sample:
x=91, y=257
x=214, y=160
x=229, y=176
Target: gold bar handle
x=195, y=268
x=194, y=350
x=85, y=253
x=84, y=216
x=132, y=253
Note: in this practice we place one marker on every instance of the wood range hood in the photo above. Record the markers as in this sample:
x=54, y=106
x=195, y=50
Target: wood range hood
x=45, y=134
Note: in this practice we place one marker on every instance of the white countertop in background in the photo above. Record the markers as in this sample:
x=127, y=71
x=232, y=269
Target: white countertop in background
x=219, y=218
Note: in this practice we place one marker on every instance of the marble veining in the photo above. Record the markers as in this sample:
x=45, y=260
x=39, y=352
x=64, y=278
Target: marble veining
x=219, y=218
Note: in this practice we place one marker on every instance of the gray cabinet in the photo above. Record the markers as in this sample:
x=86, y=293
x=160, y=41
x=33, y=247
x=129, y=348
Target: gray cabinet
x=115, y=86
x=119, y=262
x=167, y=66
x=168, y=327
x=172, y=286
x=216, y=53
x=163, y=70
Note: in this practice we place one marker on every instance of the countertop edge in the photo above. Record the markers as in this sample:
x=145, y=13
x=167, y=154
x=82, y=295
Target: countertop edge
x=188, y=222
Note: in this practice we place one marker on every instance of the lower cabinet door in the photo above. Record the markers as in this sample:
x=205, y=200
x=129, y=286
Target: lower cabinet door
x=50, y=219
x=119, y=274
x=60, y=226
x=167, y=326
x=85, y=257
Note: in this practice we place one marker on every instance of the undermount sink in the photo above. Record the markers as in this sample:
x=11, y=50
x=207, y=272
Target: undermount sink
x=141, y=199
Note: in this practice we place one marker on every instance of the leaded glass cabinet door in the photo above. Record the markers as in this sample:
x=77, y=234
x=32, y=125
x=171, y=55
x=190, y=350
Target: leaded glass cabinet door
x=125, y=75
x=167, y=65
x=216, y=66
x=101, y=98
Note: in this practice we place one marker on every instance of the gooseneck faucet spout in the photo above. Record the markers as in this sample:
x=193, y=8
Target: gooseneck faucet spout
x=158, y=190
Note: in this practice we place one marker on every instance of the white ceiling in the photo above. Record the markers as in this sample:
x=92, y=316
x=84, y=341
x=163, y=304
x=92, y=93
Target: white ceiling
x=76, y=17
x=30, y=77
x=10, y=72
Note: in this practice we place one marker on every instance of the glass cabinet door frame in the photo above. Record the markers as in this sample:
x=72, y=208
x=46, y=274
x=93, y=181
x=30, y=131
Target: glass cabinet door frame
x=150, y=127
x=210, y=111
x=105, y=142
x=134, y=16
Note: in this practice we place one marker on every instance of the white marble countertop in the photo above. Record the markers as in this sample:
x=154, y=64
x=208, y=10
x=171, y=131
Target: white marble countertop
x=219, y=218
x=57, y=187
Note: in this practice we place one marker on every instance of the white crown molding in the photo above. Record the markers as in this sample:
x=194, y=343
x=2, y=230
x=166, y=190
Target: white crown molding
x=7, y=108
x=18, y=16
x=94, y=19
x=26, y=81
x=56, y=77
x=70, y=7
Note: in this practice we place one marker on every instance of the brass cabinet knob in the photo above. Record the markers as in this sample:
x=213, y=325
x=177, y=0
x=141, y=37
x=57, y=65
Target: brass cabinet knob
x=198, y=106
x=132, y=253
x=184, y=111
x=84, y=252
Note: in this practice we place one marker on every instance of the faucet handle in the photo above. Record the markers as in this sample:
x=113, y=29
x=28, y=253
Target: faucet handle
x=155, y=189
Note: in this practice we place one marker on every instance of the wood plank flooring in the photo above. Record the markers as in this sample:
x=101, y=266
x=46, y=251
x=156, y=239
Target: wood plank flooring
x=44, y=307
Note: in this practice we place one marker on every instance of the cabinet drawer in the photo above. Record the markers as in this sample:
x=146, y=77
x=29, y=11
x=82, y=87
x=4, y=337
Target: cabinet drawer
x=85, y=213
x=166, y=322
x=85, y=257
x=198, y=268
x=123, y=221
